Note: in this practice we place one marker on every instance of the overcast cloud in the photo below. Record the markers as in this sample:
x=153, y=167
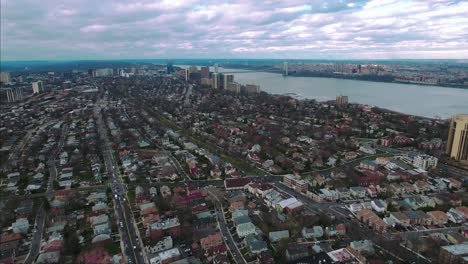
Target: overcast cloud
x=111, y=29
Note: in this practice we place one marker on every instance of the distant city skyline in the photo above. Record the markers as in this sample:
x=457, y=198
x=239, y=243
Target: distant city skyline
x=377, y=29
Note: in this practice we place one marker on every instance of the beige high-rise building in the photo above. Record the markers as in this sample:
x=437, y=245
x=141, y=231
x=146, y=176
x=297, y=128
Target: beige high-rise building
x=457, y=142
x=341, y=100
x=5, y=77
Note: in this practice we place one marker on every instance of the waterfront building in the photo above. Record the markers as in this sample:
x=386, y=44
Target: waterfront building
x=457, y=142
x=341, y=100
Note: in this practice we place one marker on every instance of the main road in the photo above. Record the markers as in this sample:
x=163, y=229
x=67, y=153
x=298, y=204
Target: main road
x=132, y=245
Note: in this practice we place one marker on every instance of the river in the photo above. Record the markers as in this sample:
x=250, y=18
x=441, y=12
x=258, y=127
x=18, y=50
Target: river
x=421, y=100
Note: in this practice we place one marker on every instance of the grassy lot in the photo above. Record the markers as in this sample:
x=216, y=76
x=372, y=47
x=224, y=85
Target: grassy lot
x=113, y=248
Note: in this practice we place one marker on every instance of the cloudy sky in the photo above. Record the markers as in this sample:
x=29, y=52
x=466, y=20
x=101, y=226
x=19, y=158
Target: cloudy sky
x=333, y=29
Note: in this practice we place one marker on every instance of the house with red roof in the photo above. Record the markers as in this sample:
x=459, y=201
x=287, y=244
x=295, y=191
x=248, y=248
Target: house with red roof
x=236, y=184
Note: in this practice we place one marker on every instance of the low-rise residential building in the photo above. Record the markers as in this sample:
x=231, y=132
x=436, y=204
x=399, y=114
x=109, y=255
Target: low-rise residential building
x=164, y=244
x=425, y=162
x=438, y=217
x=453, y=254
x=368, y=165
x=211, y=240
x=21, y=225
x=370, y=218
x=167, y=227
x=278, y=235
x=295, y=182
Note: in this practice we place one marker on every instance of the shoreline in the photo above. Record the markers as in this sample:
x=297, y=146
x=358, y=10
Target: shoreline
x=368, y=78
x=382, y=109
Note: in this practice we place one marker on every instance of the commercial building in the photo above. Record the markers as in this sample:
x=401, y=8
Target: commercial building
x=216, y=67
x=285, y=68
x=457, y=142
x=37, y=87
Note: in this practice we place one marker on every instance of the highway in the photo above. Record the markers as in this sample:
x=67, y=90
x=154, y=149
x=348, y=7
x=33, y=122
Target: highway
x=132, y=245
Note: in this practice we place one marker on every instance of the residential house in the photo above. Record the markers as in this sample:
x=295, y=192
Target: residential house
x=379, y=206
x=358, y=192
x=312, y=233
x=255, y=245
x=246, y=229
x=421, y=186
x=400, y=218
x=371, y=219
x=296, y=251
x=438, y=217
x=363, y=246
x=211, y=240
x=455, y=216
x=418, y=217
x=278, y=235
x=454, y=183
x=456, y=238
x=236, y=184
x=21, y=225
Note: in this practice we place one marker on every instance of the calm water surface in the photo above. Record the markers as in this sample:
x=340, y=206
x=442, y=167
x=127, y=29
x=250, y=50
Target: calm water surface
x=422, y=100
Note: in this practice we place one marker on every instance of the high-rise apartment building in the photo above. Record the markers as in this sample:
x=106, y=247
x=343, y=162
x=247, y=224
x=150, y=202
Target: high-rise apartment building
x=5, y=77
x=169, y=67
x=37, y=87
x=216, y=67
x=457, y=142
x=252, y=88
x=215, y=81
x=11, y=95
x=205, y=72
x=341, y=100
x=228, y=78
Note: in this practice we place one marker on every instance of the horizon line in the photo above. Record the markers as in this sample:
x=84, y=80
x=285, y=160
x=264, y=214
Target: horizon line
x=282, y=59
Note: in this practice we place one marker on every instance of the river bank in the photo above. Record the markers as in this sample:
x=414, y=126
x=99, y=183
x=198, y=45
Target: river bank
x=371, y=78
